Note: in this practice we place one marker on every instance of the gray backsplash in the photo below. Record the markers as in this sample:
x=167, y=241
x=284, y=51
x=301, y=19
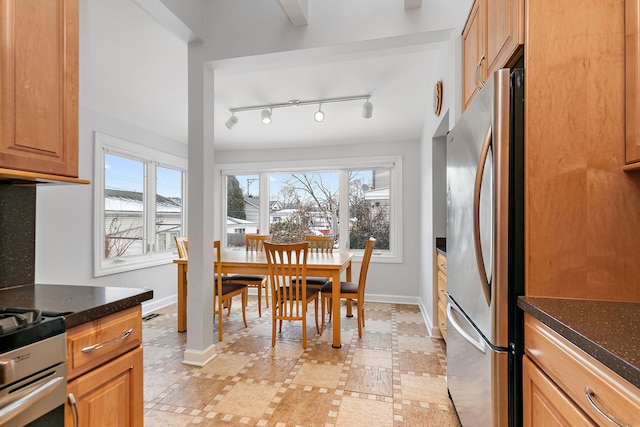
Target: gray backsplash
x=17, y=234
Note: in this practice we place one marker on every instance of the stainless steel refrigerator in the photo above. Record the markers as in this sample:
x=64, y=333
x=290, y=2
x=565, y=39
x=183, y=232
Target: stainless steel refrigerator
x=485, y=247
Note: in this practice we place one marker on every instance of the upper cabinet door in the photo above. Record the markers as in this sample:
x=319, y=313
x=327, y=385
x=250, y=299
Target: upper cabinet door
x=473, y=61
x=39, y=86
x=505, y=32
x=632, y=74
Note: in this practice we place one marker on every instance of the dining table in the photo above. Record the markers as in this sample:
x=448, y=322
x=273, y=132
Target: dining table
x=330, y=265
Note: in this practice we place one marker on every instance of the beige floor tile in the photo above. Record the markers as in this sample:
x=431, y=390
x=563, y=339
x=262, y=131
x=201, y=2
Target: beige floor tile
x=412, y=328
x=153, y=418
x=370, y=381
x=429, y=415
x=318, y=375
x=300, y=407
x=155, y=383
x=416, y=344
x=356, y=412
x=373, y=358
x=226, y=364
x=408, y=316
x=275, y=369
x=424, y=389
x=246, y=399
x=286, y=349
x=381, y=326
x=428, y=363
x=193, y=392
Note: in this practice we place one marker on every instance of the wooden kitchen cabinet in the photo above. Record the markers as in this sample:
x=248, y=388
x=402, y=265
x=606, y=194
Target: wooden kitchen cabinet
x=110, y=395
x=632, y=82
x=545, y=404
x=492, y=39
x=39, y=86
x=559, y=379
x=105, y=371
x=442, y=294
x=473, y=57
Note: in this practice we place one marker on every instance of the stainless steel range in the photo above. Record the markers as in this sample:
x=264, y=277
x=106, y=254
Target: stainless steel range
x=33, y=371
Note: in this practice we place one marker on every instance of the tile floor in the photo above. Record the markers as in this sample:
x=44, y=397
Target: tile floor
x=393, y=376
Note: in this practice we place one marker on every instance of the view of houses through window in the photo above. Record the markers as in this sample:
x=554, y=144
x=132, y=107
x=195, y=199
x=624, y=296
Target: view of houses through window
x=303, y=203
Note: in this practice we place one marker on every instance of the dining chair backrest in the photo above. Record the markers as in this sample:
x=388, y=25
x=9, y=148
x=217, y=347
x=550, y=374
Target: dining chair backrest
x=255, y=242
x=321, y=244
x=182, y=245
x=288, y=262
x=364, y=268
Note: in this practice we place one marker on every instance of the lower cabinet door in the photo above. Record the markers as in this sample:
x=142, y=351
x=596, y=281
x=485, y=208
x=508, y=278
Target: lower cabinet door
x=544, y=404
x=110, y=395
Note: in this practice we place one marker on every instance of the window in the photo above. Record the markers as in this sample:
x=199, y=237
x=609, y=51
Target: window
x=139, y=198
x=307, y=199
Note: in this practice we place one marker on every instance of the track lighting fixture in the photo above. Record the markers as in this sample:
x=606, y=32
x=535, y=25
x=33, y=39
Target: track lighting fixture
x=367, y=109
x=319, y=115
x=231, y=122
x=266, y=117
x=266, y=110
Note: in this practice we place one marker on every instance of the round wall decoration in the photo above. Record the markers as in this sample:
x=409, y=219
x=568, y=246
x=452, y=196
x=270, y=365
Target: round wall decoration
x=437, y=98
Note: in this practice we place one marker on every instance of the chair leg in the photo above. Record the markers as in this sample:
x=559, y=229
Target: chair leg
x=265, y=283
x=349, y=308
x=245, y=300
x=315, y=306
x=304, y=325
x=220, y=319
x=273, y=329
x=260, y=300
x=322, y=298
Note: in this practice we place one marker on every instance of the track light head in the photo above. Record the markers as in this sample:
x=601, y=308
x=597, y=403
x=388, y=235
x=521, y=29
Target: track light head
x=367, y=109
x=266, y=117
x=231, y=122
x=319, y=115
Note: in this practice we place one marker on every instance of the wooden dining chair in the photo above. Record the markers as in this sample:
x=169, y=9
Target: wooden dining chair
x=255, y=243
x=225, y=290
x=352, y=291
x=182, y=245
x=290, y=297
x=322, y=245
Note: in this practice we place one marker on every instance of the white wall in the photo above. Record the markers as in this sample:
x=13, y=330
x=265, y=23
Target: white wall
x=118, y=53
x=387, y=282
x=448, y=70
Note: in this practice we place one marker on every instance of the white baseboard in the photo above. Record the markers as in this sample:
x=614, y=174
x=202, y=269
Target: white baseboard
x=153, y=305
x=199, y=357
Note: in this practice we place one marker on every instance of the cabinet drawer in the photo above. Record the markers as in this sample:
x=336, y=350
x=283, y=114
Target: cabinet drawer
x=101, y=340
x=441, y=261
x=442, y=319
x=442, y=287
x=574, y=372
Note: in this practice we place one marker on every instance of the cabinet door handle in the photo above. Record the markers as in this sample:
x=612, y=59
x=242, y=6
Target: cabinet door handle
x=108, y=343
x=479, y=82
x=590, y=395
x=74, y=409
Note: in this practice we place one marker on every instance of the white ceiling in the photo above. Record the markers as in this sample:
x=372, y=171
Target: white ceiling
x=398, y=80
x=136, y=71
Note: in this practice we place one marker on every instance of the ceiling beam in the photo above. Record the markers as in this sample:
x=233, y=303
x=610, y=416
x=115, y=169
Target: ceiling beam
x=297, y=11
x=412, y=4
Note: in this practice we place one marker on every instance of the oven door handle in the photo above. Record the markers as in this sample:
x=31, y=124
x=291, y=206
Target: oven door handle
x=15, y=408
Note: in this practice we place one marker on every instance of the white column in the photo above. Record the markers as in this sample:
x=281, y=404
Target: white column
x=200, y=214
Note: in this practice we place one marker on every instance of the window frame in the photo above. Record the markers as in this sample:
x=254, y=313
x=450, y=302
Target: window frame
x=263, y=169
x=151, y=158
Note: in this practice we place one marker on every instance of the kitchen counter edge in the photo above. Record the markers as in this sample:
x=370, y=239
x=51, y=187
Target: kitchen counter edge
x=605, y=330
x=81, y=304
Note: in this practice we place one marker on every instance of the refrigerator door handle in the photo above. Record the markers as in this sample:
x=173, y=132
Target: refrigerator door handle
x=486, y=286
x=478, y=344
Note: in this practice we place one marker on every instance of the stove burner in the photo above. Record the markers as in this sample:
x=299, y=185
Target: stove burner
x=24, y=326
x=17, y=318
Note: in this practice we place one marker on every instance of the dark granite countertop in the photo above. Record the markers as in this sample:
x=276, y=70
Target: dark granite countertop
x=606, y=330
x=441, y=245
x=83, y=303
